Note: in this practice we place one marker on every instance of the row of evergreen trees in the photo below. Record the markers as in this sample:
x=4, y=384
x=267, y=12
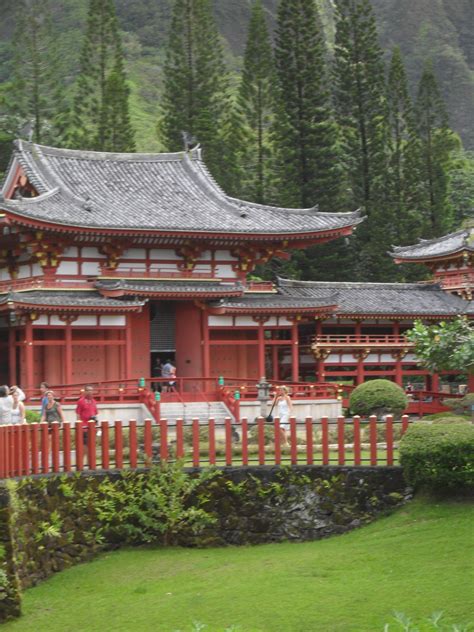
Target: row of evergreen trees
x=297, y=130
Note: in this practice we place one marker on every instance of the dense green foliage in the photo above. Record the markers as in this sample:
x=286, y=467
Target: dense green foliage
x=438, y=457
x=195, y=82
x=319, y=121
x=415, y=561
x=447, y=346
x=256, y=100
x=460, y=406
x=378, y=397
x=99, y=118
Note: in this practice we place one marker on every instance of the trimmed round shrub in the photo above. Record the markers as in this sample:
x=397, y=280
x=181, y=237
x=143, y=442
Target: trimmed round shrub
x=460, y=406
x=378, y=397
x=438, y=457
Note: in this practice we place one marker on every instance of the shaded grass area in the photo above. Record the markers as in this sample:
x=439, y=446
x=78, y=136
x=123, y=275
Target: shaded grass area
x=418, y=560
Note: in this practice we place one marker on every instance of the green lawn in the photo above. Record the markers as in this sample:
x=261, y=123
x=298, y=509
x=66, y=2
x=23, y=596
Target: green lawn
x=418, y=561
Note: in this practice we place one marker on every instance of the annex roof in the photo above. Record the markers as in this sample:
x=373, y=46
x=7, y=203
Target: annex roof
x=64, y=299
x=175, y=288
x=276, y=303
x=397, y=299
x=155, y=192
x=461, y=240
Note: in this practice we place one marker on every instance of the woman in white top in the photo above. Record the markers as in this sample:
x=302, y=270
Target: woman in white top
x=6, y=403
x=284, y=407
x=17, y=414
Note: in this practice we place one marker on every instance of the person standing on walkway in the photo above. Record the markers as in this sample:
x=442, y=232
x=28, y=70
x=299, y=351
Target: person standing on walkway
x=86, y=410
x=6, y=404
x=284, y=408
x=18, y=408
x=53, y=410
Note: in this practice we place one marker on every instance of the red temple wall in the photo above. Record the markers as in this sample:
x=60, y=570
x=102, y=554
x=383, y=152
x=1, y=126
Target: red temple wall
x=140, y=334
x=188, y=340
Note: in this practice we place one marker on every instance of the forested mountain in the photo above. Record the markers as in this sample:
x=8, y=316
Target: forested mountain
x=440, y=30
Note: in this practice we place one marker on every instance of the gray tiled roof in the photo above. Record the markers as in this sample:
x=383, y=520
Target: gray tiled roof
x=130, y=286
x=447, y=245
x=172, y=192
x=379, y=298
x=277, y=301
x=69, y=298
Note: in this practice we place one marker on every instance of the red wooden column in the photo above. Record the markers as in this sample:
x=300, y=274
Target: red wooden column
x=295, y=358
x=12, y=368
x=261, y=349
x=68, y=353
x=435, y=383
x=276, y=368
x=470, y=383
x=398, y=356
x=359, y=355
x=128, y=347
x=206, y=357
x=29, y=357
x=319, y=363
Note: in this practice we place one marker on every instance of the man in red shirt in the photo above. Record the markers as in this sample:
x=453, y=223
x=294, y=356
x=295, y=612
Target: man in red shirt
x=86, y=410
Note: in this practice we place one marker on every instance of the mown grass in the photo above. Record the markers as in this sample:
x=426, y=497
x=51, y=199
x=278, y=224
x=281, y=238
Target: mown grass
x=417, y=561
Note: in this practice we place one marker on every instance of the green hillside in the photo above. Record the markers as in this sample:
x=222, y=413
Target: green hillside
x=441, y=30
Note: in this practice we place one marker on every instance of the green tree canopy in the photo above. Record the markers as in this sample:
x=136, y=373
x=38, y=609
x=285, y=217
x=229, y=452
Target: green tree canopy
x=447, y=346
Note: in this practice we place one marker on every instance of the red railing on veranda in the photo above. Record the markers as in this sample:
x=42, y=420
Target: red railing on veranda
x=31, y=449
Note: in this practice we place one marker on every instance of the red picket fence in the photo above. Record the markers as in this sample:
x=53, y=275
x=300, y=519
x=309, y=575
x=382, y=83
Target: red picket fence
x=39, y=449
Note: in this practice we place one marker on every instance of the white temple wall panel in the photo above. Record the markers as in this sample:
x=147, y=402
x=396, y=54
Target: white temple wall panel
x=86, y=321
x=87, y=251
x=55, y=320
x=225, y=271
x=134, y=253
x=112, y=321
x=68, y=267
x=284, y=321
x=224, y=255
x=245, y=321
x=71, y=251
x=23, y=272
x=90, y=267
x=4, y=274
x=41, y=320
x=163, y=253
x=220, y=321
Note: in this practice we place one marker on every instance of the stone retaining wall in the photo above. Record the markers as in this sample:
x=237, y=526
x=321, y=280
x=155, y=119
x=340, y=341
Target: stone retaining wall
x=50, y=523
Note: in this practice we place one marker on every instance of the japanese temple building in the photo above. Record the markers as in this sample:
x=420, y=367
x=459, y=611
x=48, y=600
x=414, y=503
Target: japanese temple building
x=108, y=260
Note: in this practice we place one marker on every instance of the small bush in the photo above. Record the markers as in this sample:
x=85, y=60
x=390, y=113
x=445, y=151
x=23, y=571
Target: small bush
x=32, y=416
x=378, y=397
x=451, y=419
x=438, y=457
x=460, y=406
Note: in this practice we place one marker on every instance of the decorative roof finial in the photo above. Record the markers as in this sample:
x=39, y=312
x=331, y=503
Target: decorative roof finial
x=188, y=140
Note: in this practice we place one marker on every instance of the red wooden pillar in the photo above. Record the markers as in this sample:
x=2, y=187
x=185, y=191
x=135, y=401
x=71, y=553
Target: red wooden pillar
x=360, y=367
x=68, y=353
x=398, y=356
x=29, y=357
x=435, y=383
x=206, y=357
x=128, y=347
x=295, y=362
x=276, y=368
x=261, y=350
x=12, y=368
x=319, y=363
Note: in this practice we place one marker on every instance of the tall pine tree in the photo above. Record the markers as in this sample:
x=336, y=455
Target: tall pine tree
x=32, y=97
x=359, y=85
x=404, y=166
x=305, y=131
x=99, y=118
x=195, y=82
x=437, y=143
x=256, y=102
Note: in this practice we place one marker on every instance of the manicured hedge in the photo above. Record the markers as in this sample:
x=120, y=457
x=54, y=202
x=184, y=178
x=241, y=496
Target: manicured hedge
x=378, y=397
x=438, y=457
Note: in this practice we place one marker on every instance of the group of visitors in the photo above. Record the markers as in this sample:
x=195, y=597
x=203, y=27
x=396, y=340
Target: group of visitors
x=12, y=408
